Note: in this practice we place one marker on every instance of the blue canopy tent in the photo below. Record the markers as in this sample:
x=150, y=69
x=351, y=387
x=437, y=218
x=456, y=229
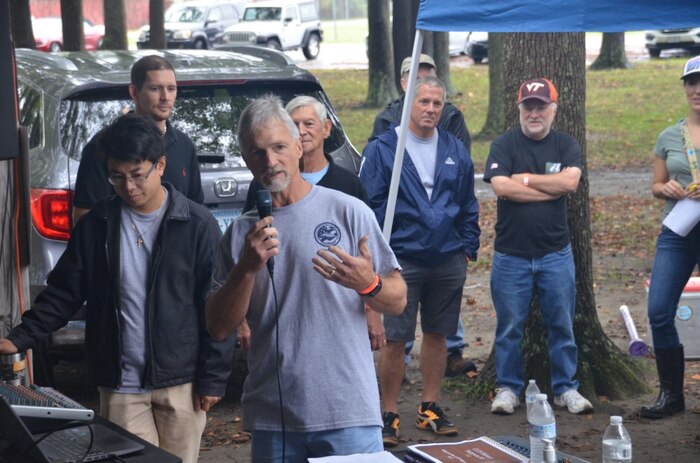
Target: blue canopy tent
x=533, y=16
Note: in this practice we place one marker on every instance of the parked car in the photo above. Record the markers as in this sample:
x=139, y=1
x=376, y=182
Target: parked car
x=65, y=98
x=48, y=34
x=195, y=24
x=279, y=25
x=666, y=39
x=477, y=47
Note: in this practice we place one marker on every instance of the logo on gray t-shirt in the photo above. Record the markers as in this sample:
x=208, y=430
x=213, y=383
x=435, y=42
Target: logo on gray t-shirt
x=327, y=234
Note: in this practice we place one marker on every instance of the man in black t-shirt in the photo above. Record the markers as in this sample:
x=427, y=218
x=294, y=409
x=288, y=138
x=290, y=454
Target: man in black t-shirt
x=153, y=89
x=532, y=169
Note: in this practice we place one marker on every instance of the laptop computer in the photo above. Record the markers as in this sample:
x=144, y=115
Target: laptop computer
x=70, y=445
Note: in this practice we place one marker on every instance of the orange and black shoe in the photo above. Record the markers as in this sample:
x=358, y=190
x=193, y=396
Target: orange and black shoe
x=432, y=418
x=390, y=431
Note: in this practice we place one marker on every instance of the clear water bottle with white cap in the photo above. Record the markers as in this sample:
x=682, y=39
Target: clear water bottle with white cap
x=542, y=425
x=617, y=444
x=531, y=394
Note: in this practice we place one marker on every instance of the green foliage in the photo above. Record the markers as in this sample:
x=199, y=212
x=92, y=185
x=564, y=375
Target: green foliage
x=626, y=109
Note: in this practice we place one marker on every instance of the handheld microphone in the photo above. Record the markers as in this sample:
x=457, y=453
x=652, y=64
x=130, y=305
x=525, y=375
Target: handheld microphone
x=264, y=203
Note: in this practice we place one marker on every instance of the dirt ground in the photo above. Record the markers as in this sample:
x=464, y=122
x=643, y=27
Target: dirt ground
x=619, y=279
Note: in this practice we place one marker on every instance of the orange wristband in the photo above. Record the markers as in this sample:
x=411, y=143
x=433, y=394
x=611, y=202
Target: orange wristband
x=371, y=286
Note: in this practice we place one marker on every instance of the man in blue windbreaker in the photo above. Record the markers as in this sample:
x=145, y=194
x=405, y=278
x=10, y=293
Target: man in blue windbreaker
x=435, y=234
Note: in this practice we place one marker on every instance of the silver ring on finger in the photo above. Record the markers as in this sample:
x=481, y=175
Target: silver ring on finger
x=332, y=272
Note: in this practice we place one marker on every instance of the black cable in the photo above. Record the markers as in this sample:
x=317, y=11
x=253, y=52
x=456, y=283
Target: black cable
x=62, y=427
x=277, y=362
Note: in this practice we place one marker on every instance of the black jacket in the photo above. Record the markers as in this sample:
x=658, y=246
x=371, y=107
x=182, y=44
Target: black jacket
x=337, y=178
x=180, y=349
x=451, y=120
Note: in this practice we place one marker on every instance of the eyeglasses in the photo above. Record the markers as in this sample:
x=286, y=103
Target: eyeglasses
x=138, y=179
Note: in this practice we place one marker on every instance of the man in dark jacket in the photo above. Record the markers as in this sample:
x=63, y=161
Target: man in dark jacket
x=142, y=263
x=153, y=89
x=435, y=233
x=451, y=120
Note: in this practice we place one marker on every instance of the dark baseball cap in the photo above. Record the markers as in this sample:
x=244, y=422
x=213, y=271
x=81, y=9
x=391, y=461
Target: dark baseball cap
x=540, y=89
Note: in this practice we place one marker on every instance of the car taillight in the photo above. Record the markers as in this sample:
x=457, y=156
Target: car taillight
x=51, y=212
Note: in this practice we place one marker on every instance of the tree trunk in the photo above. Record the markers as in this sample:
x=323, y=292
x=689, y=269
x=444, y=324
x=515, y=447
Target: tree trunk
x=495, y=119
x=72, y=20
x=157, y=24
x=441, y=55
x=21, y=24
x=603, y=369
x=612, y=53
x=115, y=26
x=403, y=32
x=381, y=88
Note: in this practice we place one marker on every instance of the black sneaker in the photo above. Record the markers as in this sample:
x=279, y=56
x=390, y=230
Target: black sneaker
x=390, y=431
x=432, y=418
x=458, y=366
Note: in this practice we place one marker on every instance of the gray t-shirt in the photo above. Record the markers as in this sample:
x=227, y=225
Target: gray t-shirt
x=326, y=365
x=670, y=147
x=423, y=154
x=135, y=258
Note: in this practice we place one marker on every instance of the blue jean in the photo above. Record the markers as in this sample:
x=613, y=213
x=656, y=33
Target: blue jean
x=513, y=282
x=676, y=257
x=300, y=446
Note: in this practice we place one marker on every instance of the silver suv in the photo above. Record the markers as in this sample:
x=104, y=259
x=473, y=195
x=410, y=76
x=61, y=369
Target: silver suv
x=66, y=98
x=667, y=39
x=279, y=25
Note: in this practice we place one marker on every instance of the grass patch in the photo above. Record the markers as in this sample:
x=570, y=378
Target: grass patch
x=625, y=109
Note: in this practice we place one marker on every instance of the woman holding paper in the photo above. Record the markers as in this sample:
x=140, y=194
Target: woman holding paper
x=676, y=179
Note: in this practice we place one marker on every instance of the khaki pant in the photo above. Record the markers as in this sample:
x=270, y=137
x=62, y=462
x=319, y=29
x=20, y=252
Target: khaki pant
x=164, y=417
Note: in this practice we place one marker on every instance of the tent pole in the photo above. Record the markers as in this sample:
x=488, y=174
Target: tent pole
x=401, y=145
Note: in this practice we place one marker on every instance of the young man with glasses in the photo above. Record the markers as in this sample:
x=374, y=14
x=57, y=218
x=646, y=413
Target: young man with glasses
x=153, y=89
x=141, y=262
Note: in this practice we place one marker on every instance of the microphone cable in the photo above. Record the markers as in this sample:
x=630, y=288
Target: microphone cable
x=277, y=361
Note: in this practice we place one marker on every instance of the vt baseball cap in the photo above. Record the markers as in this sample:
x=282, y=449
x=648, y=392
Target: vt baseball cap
x=540, y=89
x=424, y=59
x=692, y=66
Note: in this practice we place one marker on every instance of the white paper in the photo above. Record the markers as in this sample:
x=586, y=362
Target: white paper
x=683, y=217
x=379, y=457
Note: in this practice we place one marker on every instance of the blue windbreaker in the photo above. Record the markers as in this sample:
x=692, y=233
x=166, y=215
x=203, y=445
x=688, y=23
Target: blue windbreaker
x=425, y=231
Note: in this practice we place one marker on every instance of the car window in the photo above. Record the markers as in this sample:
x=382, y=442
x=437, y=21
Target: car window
x=291, y=13
x=31, y=105
x=187, y=14
x=262, y=14
x=308, y=12
x=228, y=12
x=214, y=14
x=207, y=114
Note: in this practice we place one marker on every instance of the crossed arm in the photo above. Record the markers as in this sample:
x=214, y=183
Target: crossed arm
x=540, y=187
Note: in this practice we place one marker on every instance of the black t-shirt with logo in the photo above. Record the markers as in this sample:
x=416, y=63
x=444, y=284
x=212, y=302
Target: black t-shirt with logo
x=536, y=228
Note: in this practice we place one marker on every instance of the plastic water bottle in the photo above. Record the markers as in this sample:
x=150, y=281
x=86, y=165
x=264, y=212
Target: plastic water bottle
x=542, y=426
x=617, y=445
x=531, y=395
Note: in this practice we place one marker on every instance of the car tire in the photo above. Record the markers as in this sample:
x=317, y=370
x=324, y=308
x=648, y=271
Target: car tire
x=55, y=47
x=478, y=60
x=654, y=53
x=274, y=44
x=200, y=44
x=312, y=47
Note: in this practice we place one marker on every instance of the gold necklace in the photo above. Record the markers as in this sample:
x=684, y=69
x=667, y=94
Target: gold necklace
x=140, y=236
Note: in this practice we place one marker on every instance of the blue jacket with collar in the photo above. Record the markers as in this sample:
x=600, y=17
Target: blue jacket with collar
x=425, y=231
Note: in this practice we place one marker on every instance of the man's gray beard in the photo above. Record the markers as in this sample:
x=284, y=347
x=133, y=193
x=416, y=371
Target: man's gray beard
x=278, y=185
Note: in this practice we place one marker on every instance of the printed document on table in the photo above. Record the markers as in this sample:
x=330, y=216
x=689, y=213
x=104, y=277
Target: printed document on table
x=379, y=457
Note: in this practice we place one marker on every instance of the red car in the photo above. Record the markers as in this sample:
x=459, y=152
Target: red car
x=48, y=34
